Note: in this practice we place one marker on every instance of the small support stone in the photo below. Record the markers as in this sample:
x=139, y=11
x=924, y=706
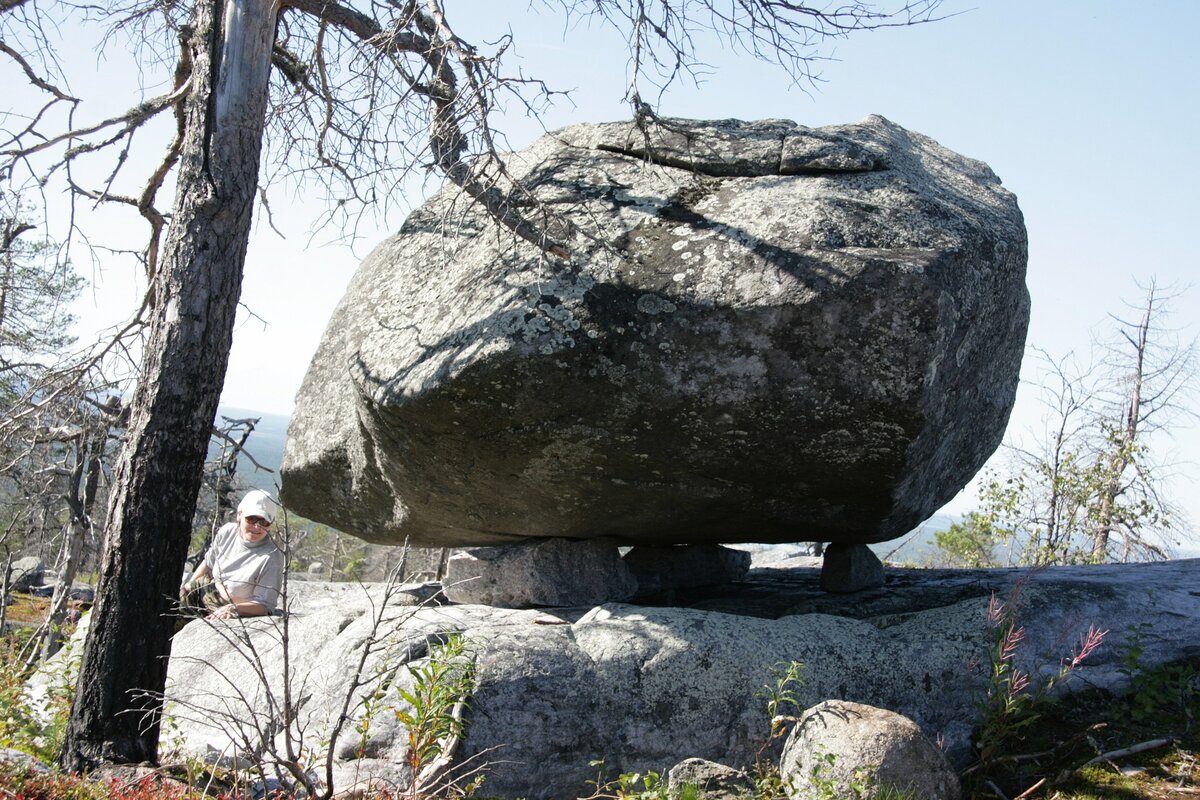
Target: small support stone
x=850, y=568
x=549, y=572
x=684, y=566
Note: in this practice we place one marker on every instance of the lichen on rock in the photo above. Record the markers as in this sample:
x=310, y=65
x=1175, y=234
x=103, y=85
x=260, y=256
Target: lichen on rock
x=764, y=332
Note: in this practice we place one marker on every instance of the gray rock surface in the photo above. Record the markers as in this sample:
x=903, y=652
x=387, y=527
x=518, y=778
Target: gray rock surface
x=837, y=744
x=552, y=572
x=26, y=573
x=659, y=569
x=715, y=781
x=764, y=332
x=645, y=687
x=850, y=568
x=23, y=760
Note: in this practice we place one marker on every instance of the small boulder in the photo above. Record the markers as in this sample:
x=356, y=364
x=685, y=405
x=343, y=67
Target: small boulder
x=850, y=568
x=419, y=594
x=26, y=573
x=550, y=572
x=715, y=781
x=682, y=566
x=82, y=594
x=10, y=756
x=837, y=743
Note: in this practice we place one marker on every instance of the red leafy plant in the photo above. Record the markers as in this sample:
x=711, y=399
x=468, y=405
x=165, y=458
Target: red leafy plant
x=1009, y=701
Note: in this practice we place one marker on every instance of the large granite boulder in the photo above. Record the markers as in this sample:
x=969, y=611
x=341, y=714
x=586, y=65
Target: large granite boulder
x=764, y=332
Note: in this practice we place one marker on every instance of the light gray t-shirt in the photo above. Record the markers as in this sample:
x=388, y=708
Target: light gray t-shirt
x=247, y=572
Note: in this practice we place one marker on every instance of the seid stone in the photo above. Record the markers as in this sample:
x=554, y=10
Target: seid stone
x=850, y=568
x=763, y=332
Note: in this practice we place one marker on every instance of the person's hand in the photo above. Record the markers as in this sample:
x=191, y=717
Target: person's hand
x=228, y=611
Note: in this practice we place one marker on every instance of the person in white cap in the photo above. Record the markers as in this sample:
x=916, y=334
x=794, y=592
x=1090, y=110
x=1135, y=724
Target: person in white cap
x=243, y=568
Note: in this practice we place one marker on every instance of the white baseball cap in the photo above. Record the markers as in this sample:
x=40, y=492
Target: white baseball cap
x=257, y=503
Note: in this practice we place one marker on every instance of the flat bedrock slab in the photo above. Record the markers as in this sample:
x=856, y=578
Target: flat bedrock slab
x=764, y=332
x=646, y=687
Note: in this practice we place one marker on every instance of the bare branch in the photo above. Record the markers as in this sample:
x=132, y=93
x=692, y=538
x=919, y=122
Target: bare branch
x=30, y=73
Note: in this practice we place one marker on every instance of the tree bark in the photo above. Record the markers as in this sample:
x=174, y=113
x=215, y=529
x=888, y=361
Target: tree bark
x=118, y=702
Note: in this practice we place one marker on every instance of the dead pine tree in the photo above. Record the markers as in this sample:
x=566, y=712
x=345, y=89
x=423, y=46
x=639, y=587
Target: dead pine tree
x=1148, y=371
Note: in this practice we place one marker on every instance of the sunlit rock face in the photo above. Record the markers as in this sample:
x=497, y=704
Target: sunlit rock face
x=764, y=332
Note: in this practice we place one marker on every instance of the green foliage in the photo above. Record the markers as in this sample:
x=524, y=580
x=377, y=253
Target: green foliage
x=782, y=696
x=441, y=682
x=638, y=786
x=21, y=727
x=769, y=784
x=970, y=543
x=973, y=543
x=649, y=785
x=862, y=785
x=1005, y=708
x=1168, y=696
x=1089, y=488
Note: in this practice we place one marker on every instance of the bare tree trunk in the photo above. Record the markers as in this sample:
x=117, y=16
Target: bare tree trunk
x=1125, y=440
x=85, y=484
x=117, y=708
x=52, y=636
x=5, y=577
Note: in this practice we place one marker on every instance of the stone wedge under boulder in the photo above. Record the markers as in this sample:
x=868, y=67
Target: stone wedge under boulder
x=764, y=332
x=553, y=572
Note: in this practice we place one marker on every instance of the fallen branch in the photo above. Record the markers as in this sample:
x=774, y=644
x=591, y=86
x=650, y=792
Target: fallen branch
x=1030, y=790
x=996, y=790
x=1132, y=750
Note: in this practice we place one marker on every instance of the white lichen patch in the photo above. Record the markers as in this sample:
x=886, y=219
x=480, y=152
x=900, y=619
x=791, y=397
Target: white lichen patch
x=653, y=304
x=557, y=459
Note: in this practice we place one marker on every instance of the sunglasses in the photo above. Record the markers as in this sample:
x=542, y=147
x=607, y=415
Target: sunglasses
x=259, y=522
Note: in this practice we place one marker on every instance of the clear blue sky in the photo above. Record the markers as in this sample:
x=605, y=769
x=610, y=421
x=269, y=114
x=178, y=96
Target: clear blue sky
x=1088, y=111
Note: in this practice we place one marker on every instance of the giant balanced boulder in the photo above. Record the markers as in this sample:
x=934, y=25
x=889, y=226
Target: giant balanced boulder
x=762, y=332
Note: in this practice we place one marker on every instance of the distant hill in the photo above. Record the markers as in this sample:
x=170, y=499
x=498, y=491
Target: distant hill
x=265, y=445
x=916, y=546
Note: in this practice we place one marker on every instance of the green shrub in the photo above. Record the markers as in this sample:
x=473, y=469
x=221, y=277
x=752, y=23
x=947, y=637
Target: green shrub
x=444, y=680
x=20, y=727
